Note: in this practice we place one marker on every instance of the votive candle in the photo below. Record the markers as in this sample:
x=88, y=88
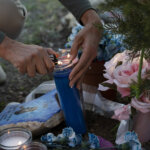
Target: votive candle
x=34, y=146
x=13, y=138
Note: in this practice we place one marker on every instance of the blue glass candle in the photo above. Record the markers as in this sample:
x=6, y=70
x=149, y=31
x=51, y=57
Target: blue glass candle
x=69, y=97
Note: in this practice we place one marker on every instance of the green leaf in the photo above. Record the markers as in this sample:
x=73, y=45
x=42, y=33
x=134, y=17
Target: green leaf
x=111, y=86
x=133, y=89
x=135, y=23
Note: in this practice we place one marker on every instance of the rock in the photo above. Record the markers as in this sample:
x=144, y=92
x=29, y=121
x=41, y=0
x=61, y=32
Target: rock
x=70, y=19
x=59, y=28
x=2, y=75
x=96, y=2
x=37, y=115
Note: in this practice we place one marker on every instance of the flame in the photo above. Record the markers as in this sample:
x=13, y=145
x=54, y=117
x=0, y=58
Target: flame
x=63, y=50
x=59, y=62
x=68, y=55
x=24, y=147
x=19, y=143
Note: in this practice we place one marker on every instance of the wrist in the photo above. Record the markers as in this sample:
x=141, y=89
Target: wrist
x=5, y=46
x=90, y=17
x=2, y=36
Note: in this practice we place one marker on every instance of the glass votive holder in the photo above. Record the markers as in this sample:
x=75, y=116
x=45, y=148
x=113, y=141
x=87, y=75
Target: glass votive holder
x=34, y=146
x=14, y=138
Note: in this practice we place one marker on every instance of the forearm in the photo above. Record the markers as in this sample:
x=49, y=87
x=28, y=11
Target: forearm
x=77, y=7
x=4, y=46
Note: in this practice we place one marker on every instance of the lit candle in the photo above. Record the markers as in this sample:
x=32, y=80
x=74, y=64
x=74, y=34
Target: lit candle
x=59, y=62
x=68, y=55
x=64, y=60
x=13, y=138
x=14, y=141
x=69, y=97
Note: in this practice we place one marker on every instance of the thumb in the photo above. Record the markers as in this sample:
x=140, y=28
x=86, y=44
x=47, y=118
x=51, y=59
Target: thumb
x=50, y=51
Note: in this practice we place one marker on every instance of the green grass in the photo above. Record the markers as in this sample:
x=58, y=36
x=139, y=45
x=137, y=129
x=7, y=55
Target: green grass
x=42, y=21
x=2, y=105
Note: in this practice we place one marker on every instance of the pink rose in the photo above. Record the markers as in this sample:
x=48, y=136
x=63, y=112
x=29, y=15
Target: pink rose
x=111, y=65
x=142, y=104
x=122, y=113
x=123, y=75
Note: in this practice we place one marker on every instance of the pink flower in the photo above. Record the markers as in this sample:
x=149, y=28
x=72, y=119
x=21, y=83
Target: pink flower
x=122, y=113
x=123, y=75
x=142, y=104
x=111, y=65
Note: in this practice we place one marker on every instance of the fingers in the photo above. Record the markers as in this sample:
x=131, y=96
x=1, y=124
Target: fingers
x=79, y=83
x=31, y=68
x=41, y=68
x=78, y=74
x=49, y=64
x=43, y=63
x=76, y=45
x=50, y=51
x=22, y=68
x=84, y=61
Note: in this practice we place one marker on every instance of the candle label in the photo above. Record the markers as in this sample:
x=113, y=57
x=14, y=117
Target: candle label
x=39, y=110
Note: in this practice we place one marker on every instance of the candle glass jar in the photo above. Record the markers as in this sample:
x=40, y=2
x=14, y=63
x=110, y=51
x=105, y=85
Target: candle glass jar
x=14, y=138
x=34, y=146
x=69, y=97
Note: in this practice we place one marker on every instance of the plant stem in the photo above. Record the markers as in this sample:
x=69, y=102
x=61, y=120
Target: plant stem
x=139, y=74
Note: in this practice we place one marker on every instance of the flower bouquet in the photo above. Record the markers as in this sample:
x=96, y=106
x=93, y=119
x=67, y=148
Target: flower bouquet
x=131, y=80
x=129, y=71
x=69, y=140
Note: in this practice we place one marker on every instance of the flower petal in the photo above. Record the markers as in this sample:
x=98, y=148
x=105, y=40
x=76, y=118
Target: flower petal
x=102, y=88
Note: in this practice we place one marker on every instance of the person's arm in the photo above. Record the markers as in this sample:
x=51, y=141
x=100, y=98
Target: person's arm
x=87, y=39
x=30, y=59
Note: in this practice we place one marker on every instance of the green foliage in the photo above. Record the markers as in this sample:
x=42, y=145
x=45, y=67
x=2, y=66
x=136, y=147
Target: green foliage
x=135, y=23
x=133, y=89
x=111, y=86
x=42, y=21
x=145, y=85
x=2, y=105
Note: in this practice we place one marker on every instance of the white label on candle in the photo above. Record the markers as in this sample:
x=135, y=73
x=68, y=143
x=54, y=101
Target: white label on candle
x=14, y=141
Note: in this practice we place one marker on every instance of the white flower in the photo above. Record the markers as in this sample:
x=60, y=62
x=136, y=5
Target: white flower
x=75, y=140
x=68, y=132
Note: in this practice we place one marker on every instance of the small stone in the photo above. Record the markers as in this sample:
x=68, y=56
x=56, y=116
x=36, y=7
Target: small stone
x=2, y=75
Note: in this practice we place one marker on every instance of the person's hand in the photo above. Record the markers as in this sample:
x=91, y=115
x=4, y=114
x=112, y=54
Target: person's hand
x=87, y=39
x=30, y=59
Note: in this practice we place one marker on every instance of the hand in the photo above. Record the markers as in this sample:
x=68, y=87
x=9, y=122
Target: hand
x=87, y=39
x=30, y=59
